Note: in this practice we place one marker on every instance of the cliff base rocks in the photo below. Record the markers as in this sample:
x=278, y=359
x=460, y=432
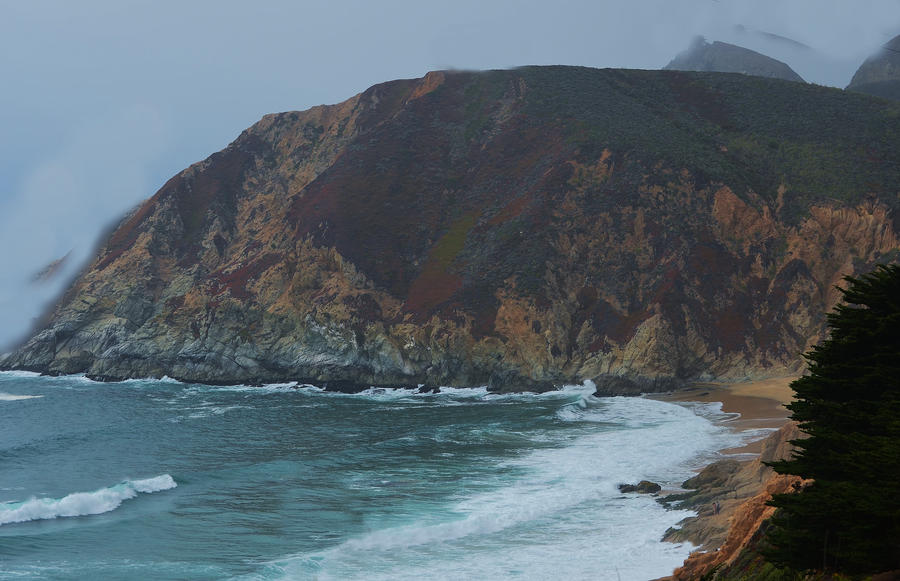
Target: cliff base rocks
x=730, y=499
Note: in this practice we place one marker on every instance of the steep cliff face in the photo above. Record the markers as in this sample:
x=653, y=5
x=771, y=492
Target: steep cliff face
x=879, y=75
x=523, y=228
x=723, y=57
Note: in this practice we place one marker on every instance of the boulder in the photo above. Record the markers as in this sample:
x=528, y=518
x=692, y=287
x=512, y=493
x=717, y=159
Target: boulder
x=642, y=487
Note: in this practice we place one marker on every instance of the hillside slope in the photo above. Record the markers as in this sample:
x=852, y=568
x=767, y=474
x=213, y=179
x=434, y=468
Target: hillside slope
x=523, y=228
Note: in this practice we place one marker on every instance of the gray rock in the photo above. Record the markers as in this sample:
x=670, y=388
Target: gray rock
x=722, y=57
x=642, y=487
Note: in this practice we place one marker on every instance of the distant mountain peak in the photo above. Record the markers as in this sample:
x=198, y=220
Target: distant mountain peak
x=723, y=57
x=880, y=73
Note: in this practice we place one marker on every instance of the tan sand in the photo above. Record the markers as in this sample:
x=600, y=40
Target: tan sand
x=759, y=403
x=778, y=389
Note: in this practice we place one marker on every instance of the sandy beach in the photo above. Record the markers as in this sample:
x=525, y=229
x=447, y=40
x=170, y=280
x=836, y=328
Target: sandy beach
x=735, y=486
x=759, y=403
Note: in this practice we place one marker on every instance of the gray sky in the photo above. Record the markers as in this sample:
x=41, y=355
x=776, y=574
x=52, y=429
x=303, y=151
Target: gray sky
x=103, y=101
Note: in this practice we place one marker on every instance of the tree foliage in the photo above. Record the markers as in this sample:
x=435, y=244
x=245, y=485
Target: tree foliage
x=848, y=520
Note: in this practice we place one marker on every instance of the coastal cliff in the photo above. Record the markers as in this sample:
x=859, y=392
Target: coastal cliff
x=519, y=228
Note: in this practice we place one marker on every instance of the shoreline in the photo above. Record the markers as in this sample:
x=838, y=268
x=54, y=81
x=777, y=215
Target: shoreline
x=758, y=405
x=725, y=493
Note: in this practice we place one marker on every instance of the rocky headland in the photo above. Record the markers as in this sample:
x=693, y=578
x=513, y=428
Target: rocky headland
x=520, y=229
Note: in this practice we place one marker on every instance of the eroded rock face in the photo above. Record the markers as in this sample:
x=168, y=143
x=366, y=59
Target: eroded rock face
x=516, y=228
x=730, y=498
x=723, y=57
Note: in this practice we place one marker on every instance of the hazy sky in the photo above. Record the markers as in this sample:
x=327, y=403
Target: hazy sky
x=102, y=101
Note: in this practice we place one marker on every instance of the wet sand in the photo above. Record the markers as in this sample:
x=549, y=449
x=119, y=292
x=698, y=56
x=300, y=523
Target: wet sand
x=759, y=403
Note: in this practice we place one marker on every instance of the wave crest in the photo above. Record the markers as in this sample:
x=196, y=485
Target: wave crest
x=82, y=503
x=13, y=397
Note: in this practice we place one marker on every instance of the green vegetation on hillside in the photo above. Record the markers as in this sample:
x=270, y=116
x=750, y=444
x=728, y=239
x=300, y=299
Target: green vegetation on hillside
x=746, y=132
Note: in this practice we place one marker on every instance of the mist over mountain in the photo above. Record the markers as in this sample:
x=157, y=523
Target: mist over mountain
x=879, y=75
x=728, y=58
x=98, y=113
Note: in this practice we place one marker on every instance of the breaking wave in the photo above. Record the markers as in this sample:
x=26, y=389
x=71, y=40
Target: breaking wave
x=14, y=397
x=81, y=503
x=558, y=512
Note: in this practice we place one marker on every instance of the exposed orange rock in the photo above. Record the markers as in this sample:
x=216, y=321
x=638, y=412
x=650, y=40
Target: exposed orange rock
x=744, y=524
x=543, y=225
x=742, y=498
x=429, y=83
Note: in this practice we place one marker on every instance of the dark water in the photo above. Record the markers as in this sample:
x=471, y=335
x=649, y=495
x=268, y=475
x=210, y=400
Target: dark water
x=163, y=480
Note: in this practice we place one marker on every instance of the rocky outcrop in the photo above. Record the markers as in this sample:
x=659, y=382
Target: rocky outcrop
x=730, y=498
x=517, y=229
x=879, y=75
x=642, y=487
x=729, y=58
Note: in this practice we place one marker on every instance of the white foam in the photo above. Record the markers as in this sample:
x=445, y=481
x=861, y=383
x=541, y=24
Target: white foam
x=280, y=385
x=164, y=380
x=256, y=389
x=559, y=515
x=455, y=395
x=14, y=397
x=81, y=503
x=566, y=392
x=461, y=392
x=82, y=378
x=17, y=373
x=209, y=410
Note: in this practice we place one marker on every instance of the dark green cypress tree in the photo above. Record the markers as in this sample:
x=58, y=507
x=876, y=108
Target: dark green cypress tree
x=848, y=520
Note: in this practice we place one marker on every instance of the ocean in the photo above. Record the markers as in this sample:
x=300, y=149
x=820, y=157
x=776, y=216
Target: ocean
x=156, y=479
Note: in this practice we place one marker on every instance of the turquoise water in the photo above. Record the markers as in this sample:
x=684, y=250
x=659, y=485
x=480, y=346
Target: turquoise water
x=164, y=480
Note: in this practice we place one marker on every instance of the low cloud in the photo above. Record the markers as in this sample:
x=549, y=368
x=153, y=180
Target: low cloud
x=99, y=171
x=208, y=69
